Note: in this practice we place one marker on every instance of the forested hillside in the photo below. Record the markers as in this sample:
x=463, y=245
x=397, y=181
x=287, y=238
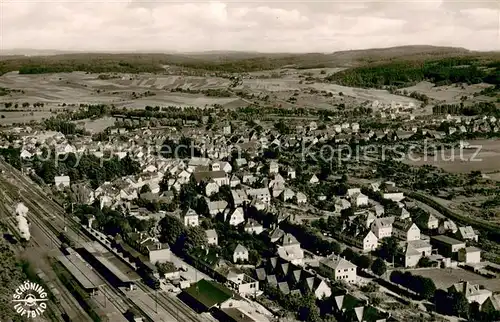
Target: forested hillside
x=471, y=70
x=230, y=62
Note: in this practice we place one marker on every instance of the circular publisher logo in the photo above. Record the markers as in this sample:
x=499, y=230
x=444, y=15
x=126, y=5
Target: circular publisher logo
x=30, y=299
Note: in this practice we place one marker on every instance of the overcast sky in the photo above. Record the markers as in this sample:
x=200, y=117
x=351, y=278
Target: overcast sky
x=266, y=26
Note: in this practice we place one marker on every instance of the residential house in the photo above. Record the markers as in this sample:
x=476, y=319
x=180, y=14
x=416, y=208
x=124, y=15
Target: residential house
x=447, y=225
x=157, y=252
x=239, y=197
x=316, y=286
x=248, y=178
x=405, y=230
x=212, y=238
x=211, y=188
x=339, y=268
x=240, y=254
x=236, y=217
x=287, y=194
x=359, y=199
x=314, y=179
x=491, y=304
x=275, y=235
x=243, y=284
x=467, y=233
x=415, y=250
x=291, y=173
x=216, y=207
x=427, y=221
x=273, y=167
x=288, y=248
x=253, y=227
x=234, y=181
x=472, y=292
x=469, y=255
x=191, y=218
x=261, y=194
x=382, y=227
x=61, y=181
x=301, y=198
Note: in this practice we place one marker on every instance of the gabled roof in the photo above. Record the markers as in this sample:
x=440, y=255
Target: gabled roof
x=347, y=302
x=240, y=249
x=211, y=233
x=337, y=263
x=276, y=234
x=271, y=280
x=283, y=287
x=287, y=239
x=467, y=232
x=261, y=274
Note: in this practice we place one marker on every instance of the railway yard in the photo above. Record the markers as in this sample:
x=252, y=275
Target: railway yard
x=47, y=220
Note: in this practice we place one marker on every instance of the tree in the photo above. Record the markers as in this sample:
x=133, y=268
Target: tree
x=171, y=229
x=194, y=237
x=253, y=257
x=424, y=286
x=145, y=189
x=364, y=261
x=459, y=304
x=389, y=248
x=379, y=267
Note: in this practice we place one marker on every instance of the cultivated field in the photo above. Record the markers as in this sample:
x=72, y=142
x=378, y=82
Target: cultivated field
x=119, y=89
x=464, y=160
x=450, y=94
x=81, y=88
x=23, y=117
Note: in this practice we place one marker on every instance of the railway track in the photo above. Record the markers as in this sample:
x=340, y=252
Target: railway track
x=171, y=305
x=56, y=222
x=66, y=303
x=38, y=199
x=51, y=225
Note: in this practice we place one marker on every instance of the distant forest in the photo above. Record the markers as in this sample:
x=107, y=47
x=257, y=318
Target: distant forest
x=406, y=73
x=371, y=68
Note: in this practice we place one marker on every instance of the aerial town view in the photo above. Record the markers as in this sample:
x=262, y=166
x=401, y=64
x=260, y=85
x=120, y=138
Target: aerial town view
x=250, y=162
